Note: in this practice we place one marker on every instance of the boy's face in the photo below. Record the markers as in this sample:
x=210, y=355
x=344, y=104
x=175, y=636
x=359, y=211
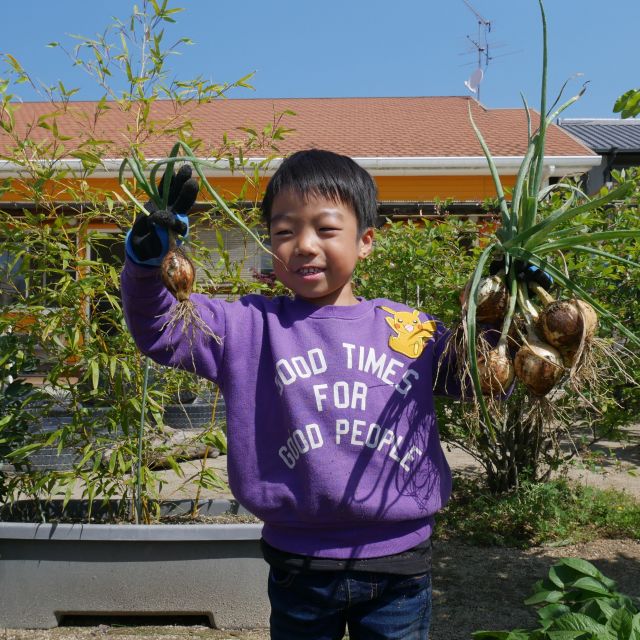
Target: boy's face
x=316, y=245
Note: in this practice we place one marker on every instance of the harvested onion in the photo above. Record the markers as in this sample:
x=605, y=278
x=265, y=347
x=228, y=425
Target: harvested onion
x=178, y=274
x=564, y=323
x=492, y=299
x=496, y=370
x=538, y=365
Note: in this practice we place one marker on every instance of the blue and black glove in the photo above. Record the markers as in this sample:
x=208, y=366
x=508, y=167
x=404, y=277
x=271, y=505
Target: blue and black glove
x=147, y=242
x=525, y=272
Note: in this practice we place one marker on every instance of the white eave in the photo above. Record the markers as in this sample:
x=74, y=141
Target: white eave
x=555, y=166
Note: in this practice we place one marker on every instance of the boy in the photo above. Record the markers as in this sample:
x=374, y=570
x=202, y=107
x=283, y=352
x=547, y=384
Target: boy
x=332, y=435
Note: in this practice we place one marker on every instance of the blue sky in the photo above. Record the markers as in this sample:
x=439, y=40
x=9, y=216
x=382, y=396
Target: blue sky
x=333, y=48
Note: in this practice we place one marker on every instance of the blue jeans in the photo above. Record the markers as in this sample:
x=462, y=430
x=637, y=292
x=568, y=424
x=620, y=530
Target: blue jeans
x=320, y=605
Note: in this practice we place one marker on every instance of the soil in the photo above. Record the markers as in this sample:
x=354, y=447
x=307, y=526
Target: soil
x=474, y=588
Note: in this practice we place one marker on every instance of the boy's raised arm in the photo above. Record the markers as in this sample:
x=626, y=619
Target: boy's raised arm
x=193, y=341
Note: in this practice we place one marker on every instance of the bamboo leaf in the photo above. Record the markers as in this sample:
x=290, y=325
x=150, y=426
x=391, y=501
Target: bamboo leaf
x=95, y=374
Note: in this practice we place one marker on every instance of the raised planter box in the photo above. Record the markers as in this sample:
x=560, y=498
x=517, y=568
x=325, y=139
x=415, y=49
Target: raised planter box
x=49, y=571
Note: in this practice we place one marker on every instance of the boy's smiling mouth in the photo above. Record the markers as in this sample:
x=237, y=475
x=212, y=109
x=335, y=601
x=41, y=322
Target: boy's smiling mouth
x=309, y=271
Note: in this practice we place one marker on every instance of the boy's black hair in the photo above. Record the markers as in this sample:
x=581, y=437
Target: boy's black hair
x=326, y=174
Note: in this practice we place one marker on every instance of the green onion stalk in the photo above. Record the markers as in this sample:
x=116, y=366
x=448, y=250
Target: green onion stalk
x=527, y=236
x=176, y=262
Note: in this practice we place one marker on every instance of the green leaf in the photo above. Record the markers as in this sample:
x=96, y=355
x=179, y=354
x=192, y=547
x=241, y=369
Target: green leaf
x=545, y=596
x=569, y=635
x=628, y=104
x=504, y=210
x=552, y=611
x=578, y=622
x=580, y=566
x=95, y=374
x=592, y=585
x=555, y=578
x=620, y=625
x=538, y=233
x=599, y=608
x=598, y=252
x=586, y=238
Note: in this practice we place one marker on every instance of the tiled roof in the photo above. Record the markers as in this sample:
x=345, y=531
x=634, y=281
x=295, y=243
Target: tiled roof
x=358, y=127
x=603, y=135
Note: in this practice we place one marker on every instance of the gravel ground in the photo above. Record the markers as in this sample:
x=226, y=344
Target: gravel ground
x=474, y=587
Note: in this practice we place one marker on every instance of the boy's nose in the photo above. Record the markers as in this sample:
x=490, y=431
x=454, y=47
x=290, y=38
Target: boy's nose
x=305, y=245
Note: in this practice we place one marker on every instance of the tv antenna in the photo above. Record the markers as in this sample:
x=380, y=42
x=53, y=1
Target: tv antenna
x=481, y=45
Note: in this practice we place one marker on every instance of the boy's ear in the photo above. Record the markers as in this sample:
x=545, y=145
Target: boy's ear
x=366, y=243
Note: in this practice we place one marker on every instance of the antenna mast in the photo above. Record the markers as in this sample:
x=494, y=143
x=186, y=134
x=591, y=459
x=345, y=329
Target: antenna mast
x=482, y=47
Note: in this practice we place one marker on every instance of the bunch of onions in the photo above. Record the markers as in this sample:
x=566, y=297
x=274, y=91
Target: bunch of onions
x=527, y=235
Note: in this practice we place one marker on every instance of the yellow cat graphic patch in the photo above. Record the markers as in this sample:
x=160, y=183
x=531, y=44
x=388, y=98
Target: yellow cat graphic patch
x=411, y=335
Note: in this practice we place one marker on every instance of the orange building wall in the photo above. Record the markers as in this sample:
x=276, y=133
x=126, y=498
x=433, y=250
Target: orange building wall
x=428, y=188
x=390, y=188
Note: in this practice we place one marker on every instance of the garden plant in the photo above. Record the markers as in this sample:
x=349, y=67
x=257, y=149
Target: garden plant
x=577, y=602
x=61, y=254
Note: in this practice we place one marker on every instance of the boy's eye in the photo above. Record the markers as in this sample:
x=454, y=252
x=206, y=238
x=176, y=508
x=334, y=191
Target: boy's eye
x=282, y=232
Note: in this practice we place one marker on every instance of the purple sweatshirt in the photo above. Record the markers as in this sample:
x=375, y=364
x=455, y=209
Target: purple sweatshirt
x=332, y=436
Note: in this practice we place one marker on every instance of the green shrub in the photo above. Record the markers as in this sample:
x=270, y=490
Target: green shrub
x=555, y=512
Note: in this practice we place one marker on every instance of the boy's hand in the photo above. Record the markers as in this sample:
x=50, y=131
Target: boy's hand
x=148, y=240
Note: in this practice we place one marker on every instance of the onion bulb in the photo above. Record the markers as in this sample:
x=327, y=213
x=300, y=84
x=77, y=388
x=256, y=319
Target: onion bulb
x=496, y=370
x=563, y=323
x=538, y=365
x=178, y=274
x=492, y=299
